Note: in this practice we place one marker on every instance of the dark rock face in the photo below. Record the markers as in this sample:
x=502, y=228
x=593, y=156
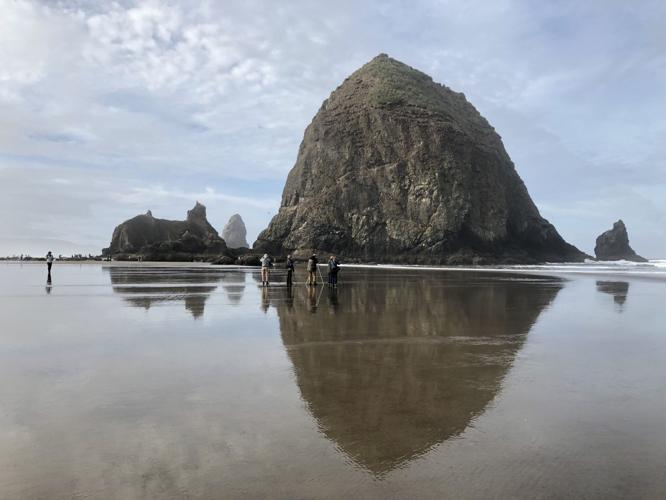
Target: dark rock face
x=234, y=233
x=397, y=168
x=614, y=245
x=160, y=239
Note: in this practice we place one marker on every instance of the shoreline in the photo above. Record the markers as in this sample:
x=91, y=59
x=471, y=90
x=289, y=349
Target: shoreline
x=652, y=270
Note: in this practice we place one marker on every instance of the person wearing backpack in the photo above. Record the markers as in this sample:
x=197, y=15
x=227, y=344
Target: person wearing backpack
x=333, y=268
x=289, y=265
x=266, y=264
x=312, y=269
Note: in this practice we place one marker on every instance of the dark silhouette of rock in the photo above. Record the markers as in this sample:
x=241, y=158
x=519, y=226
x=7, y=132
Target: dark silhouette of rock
x=249, y=259
x=614, y=245
x=160, y=239
x=234, y=233
x=225, y=260
x=397, y=168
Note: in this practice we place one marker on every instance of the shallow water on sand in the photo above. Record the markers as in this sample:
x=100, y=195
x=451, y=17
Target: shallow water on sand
x=148, y=381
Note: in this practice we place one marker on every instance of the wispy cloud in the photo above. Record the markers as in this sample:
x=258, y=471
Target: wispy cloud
x=159, y=194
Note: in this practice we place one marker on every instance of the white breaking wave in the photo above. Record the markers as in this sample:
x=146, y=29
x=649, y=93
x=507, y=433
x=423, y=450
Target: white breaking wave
x=652, y=269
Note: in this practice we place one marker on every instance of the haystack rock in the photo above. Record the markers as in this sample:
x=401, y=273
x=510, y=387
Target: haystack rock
x=397, y=168
x=614, y=245
x=161, y=239
x=234, y=233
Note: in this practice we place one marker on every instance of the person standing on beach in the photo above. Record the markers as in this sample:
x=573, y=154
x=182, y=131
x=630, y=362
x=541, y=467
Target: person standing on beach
x=333, y=268
x=266, y=264
x=290, y=270
x=312, y=269
x=49, y=262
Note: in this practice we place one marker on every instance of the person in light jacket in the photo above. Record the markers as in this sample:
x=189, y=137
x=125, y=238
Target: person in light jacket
x=266, y=264
x=312, y=269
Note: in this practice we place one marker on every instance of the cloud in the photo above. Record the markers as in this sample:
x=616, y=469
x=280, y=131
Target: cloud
x=167, y=99
x=158, y=194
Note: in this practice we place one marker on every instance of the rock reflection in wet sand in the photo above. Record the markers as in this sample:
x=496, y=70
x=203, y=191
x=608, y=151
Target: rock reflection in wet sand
x=391, y=368
x=618, y=289
x=145, y=287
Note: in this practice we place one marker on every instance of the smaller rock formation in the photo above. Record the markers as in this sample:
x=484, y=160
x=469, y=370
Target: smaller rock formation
x=614, y=245
x=234, y=233
x=149, y=238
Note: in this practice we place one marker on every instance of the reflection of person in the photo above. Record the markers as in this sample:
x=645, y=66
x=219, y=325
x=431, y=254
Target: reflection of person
x=290, y=298
x=333, y=268
x=49, y=261
x=290, y=270
x=265, y=302
x=312, y=269
x=48, y=283
x=312, y=299
x=266, y=264
x=333, y=299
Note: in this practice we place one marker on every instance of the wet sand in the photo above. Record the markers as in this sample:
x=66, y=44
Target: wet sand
x=150, y=381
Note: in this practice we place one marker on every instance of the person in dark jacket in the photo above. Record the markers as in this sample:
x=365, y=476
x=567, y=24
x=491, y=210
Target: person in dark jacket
x=333, y=268
x=312, y=269
x=49, y=262
x=289, y=265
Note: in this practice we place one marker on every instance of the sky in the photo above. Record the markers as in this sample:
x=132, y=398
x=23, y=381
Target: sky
x=111, y=108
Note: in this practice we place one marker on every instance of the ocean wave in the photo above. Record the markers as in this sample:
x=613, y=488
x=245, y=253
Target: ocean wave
x=651, y=269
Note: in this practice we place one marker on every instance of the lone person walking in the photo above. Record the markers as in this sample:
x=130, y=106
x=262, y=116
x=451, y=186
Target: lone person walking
x=49, y=262
x=290, y=270
x=266, y=264
x=312, y=269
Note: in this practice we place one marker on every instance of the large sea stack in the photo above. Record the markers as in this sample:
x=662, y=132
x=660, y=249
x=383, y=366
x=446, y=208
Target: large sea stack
x=397, y=168
x=161, y=239
x=614, y=245
x=235, y=233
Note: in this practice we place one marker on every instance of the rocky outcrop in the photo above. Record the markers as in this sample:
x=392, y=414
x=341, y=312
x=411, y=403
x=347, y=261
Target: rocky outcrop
x=149, y=238
x=235, y=233
x=397, y=168
x=614, y=245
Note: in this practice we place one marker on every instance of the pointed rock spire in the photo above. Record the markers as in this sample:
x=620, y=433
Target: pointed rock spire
x=235, y=233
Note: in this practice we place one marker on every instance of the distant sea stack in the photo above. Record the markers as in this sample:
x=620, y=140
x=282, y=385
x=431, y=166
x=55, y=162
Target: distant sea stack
x=161, y=239
x=614, y=245
x=235, y=233
x=397, y=168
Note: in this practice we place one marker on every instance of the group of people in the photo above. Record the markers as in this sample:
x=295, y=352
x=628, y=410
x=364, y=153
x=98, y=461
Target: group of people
x=290, y=266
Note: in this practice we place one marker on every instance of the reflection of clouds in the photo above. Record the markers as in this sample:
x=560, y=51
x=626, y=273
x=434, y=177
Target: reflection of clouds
x=391, y=368
x=618, y=289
